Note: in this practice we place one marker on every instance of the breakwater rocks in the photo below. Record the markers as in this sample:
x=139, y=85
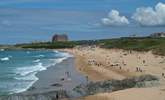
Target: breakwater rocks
x=115, y=85
x=54, y=95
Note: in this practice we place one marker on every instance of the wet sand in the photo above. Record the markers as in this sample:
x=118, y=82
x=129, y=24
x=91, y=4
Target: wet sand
x=55, y=78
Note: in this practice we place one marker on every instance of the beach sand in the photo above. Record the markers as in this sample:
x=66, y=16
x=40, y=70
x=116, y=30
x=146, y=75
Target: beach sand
x=155, y=93
x=106, y=64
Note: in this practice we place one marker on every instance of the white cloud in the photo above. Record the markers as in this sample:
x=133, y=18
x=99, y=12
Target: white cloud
x=148, y=16
x=114, y=19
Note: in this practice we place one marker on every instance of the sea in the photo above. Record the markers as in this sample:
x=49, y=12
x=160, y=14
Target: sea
x=18, y=68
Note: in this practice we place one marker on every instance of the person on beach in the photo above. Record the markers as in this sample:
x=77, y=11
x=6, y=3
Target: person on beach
x=67, y=74
x=57, y=97
x=144, y=61
x=163, y=75
x=137, y=69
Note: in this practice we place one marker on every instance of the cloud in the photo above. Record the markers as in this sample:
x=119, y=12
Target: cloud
x=148, y=16
x=114, y=19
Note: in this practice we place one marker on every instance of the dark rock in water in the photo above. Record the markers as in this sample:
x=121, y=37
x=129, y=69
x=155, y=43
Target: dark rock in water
x=57, y=85
x=113, y=85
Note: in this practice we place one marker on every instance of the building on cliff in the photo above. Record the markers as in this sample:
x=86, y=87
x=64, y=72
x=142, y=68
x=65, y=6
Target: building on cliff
x=59, y=38
x=158, y=35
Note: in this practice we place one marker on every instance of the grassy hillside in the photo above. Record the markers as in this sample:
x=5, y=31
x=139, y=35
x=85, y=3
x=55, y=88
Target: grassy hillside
x=157, y=45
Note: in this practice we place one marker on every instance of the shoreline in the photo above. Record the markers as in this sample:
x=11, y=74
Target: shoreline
x=38, y=75
x=90, y=64
x=54, y=79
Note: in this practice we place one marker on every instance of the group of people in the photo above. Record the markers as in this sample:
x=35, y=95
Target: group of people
x=97, y=63
x=119, y=64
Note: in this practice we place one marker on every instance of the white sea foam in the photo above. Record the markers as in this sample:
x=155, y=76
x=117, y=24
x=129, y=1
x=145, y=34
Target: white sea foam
x=5, y=59
x=30, y=69
x=31, y=78
x=28, y=52
x=2, y=49
x=38, y=60
x=28, y=73
x=56, y=51
x=63, y=56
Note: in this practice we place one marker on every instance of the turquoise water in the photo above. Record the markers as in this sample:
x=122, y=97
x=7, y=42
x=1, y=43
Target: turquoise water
x=19, y=67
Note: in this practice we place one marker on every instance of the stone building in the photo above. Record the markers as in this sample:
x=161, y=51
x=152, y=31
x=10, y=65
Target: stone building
x=158, y=35
x=59, y=38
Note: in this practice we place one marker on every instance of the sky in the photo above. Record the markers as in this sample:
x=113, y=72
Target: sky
x=38, y=20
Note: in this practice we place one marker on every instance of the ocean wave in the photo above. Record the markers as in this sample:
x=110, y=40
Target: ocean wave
x=36, y=61
x=2, y=49
x=59, y=60
x=28, y=52
x=31, y=80
x=28, y=73
x=30, y=77
x=30, y=69
x=5, y=59
x=55, y=51
x=39, y=56
x=63, y=56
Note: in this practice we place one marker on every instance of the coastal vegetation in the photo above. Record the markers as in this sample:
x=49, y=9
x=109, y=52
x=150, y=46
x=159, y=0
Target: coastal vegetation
x=157, y=45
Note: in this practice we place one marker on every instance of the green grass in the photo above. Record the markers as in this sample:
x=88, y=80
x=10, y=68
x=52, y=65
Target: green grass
x=48, y=45
x=157, y=45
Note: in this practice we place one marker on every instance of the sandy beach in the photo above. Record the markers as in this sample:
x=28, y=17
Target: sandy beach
x=155, y=93
x=106, y=64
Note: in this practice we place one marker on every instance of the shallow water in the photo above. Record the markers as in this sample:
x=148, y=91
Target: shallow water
x=18, y=68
